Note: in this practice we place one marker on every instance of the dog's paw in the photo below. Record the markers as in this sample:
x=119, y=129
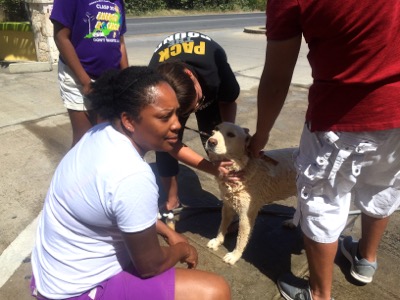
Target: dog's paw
x=288, y=224
x=214, y=244
x=232, y=257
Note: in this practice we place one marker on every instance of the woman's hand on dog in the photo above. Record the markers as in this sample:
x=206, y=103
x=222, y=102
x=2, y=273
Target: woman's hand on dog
x=225, y=174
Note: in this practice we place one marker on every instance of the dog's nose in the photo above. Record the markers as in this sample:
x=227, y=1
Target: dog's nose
x=212, y=142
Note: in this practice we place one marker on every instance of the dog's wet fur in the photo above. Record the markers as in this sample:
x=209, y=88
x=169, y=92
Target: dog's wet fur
x=264, y=181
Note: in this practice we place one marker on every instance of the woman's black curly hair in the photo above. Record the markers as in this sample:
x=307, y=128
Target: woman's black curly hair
x=128, y=90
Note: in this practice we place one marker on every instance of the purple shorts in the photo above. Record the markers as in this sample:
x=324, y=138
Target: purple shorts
x=125, y=286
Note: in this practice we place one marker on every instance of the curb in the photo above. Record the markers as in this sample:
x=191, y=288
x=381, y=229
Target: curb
x=255, y=29
x=26, y=67
x=30, y=67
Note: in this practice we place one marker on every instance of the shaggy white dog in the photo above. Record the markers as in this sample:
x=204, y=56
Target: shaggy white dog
x=265, y=180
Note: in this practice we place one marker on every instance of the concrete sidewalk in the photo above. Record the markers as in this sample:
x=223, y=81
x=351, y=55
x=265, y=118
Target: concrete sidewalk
x=35, y=134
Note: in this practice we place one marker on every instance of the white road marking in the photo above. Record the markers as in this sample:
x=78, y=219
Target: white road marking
x=17, y=251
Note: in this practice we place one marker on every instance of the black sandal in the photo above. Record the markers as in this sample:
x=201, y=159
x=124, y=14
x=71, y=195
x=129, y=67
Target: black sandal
x=164, y=211
x=178, y=209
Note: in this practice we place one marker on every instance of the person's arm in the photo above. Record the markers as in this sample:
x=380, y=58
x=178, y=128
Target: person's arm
x=280, y=60
x=151, y=259
x=191, y=158
x=67, y=51
x=171, y=236
x=124, y=55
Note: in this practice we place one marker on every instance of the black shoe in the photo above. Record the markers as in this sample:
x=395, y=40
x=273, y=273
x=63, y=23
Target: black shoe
x=178, y=209
x=164, y=211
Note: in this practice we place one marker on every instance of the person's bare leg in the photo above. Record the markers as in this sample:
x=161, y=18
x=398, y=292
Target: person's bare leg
x=170, y=185
x=372, y=230
x=320, y=262
x=81, y=122
x=196, y=284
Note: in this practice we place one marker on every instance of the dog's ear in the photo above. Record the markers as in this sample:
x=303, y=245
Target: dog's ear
x=247, y=141
x=247, y=132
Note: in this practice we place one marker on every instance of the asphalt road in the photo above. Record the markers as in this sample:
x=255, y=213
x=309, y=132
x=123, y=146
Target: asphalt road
x=151, y=25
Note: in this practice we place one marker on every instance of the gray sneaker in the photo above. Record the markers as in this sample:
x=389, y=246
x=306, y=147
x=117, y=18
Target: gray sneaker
x=361, y=269
x=294, y=288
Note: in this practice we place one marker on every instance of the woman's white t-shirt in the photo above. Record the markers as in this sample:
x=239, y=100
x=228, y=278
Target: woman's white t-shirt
x=100, y=188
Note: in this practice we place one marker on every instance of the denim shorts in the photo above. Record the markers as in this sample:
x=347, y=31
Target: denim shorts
x=71, y=89
x=126, y=285
x=336, y=168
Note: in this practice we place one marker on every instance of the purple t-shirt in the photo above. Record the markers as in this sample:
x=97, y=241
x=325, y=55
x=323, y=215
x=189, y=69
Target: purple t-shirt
x=96, y=27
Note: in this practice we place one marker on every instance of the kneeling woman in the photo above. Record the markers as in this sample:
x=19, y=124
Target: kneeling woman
x=97, y=236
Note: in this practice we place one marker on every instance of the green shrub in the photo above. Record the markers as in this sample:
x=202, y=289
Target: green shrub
x=216, y=4
x=14, y=10
x=141, y=7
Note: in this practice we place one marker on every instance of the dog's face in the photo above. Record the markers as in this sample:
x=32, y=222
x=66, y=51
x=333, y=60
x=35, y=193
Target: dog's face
x=228, y=141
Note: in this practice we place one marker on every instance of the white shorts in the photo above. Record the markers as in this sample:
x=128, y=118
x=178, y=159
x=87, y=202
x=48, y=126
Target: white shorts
x=336, y=167
x=71, y=89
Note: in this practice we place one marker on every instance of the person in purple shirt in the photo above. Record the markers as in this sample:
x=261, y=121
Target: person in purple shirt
x=89, y=37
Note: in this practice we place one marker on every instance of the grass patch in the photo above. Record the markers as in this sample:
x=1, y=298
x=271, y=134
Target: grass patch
x=16, y=26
